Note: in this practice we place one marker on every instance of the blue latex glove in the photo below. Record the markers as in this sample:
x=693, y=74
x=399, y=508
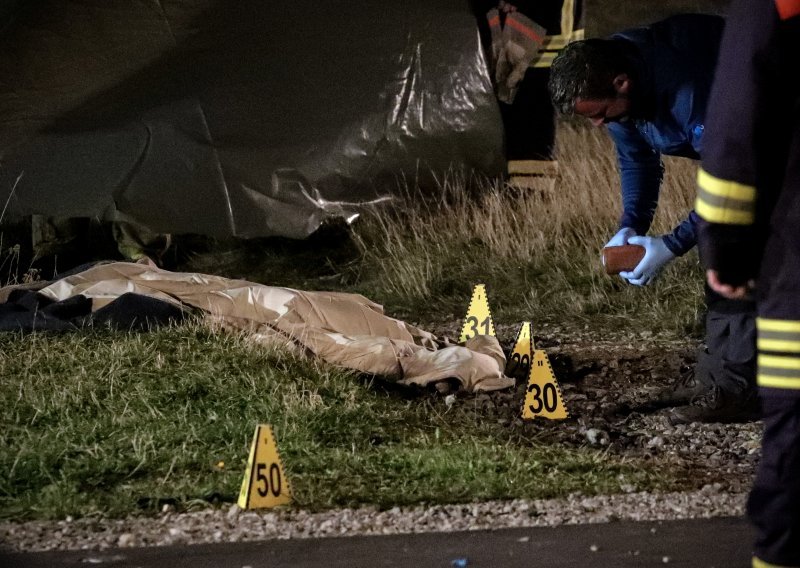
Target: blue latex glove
x=621, y=238
x=656, y=256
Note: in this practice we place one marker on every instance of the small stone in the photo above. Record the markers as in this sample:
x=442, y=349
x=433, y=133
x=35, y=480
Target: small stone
x=665, y=559
x=233, y=513
x=597, y=437
x=126, y=540
x=594, y=548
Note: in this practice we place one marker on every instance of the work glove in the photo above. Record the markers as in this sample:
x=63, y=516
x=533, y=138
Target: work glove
x=522, y=38
x=621, y=238
x=496, y=32
x=656, y=256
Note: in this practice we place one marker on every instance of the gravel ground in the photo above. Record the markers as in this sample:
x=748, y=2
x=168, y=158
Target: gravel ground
x=596, y=374
x=234, y=525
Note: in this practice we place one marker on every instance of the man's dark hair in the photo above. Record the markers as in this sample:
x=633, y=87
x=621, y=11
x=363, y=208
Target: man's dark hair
x=586, y=69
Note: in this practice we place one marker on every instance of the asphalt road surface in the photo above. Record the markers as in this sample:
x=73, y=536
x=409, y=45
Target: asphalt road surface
x=719, y=543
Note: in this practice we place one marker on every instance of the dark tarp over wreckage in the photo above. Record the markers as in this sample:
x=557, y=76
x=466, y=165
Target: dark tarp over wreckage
x=247, y=119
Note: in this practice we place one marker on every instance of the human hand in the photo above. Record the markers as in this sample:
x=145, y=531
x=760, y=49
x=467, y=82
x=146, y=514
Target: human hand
x=729, y=291
x=621, y=237
x=656, y=256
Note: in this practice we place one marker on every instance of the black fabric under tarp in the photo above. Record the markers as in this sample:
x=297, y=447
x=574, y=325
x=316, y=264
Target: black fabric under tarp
x=247, y=119
x=27, y=311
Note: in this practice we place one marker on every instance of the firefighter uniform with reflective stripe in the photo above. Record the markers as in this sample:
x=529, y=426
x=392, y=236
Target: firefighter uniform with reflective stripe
x=530, y=121
x=749, y=205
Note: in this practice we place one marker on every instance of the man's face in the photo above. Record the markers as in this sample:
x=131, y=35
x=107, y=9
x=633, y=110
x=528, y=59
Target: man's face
x=609, y=109
x=603, y=111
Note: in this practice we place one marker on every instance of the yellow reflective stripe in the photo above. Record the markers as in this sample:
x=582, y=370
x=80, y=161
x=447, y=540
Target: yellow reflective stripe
x=792, y=363
x=758, y=563
x=555, y=42
x=544, y=60
x=567, y=16
x=725, y=188
x=765, y=324
x=724, y=201
x=714, y=214
x=778, y=345
x=779, y=371
x=560, y=41
x=778, y=335
x=771, y=381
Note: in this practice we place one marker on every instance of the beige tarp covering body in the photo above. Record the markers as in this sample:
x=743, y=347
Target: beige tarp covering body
x=343, y=329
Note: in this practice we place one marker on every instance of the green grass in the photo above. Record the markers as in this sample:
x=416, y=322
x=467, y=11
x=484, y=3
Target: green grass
x=114, y=424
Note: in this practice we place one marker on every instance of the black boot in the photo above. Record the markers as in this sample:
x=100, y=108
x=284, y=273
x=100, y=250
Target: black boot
x=718, y=406
x=686, y=389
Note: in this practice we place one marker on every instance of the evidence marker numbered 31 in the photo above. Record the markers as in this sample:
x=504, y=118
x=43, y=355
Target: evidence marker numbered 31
x=478, y=320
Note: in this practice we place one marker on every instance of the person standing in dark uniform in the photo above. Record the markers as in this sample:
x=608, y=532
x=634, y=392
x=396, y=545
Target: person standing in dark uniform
x=749, y=236
x=529, y=118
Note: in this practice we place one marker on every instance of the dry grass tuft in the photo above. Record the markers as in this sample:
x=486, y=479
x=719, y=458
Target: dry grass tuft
x=538, y=251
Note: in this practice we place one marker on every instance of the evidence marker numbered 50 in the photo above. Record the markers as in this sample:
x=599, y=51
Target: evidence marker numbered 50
x=264, y=484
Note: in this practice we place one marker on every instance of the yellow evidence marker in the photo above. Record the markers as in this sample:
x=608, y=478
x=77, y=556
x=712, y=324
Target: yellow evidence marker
x=264, y=484
x=478, y=320
x=519, y=360
x=543, y=397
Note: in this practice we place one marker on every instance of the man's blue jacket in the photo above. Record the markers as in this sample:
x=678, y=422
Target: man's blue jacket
x=673, y=62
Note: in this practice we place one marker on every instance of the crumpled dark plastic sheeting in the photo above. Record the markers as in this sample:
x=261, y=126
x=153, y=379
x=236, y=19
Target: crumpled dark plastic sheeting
x=251, y=118
x=27, y=311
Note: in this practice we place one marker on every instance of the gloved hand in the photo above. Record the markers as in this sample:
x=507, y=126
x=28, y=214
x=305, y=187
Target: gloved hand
x=656, y=256
x=522, y=38
x=496, y=32
x=621, y=238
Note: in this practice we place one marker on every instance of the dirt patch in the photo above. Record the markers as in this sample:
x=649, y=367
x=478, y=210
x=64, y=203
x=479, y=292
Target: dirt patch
x=602, y=378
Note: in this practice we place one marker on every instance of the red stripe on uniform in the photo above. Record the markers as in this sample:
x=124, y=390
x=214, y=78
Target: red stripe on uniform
x=787, y=8
x=495, y=21
x=524, y=29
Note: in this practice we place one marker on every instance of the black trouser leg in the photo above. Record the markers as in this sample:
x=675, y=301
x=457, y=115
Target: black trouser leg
x=530, y=121
x=729, y=358
x=774, y=503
